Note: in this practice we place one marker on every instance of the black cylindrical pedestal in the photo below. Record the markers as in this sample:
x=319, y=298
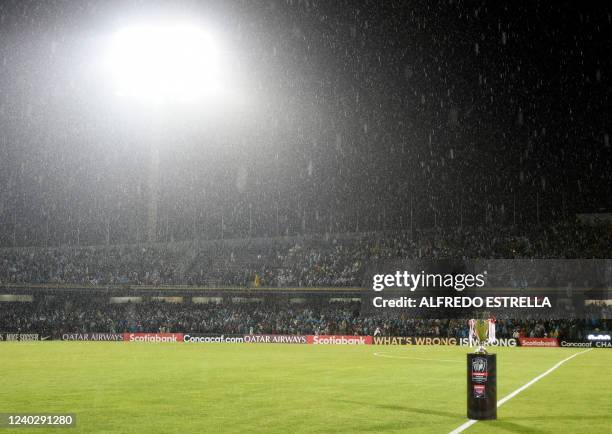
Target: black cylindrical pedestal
x=482, y=386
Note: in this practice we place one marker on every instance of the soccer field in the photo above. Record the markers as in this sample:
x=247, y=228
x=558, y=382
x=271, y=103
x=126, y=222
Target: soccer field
x=141, y=387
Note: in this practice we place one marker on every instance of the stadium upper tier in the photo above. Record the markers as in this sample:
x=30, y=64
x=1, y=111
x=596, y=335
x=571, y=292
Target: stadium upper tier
x=310, y=261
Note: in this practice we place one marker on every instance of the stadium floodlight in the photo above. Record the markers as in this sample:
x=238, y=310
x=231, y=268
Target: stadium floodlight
x=157, y=63
x=163, y=62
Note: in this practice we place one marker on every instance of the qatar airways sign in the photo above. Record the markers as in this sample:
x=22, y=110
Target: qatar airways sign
x=92, y=337
x=275, y=339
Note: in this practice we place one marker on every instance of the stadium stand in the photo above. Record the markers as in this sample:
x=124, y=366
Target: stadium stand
x=313, y=261
x=305, y=262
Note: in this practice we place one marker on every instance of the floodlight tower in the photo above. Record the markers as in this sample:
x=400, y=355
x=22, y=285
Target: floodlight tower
x=162, y=66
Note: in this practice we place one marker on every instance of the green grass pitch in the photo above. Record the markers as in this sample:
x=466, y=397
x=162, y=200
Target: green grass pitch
x=267, y=388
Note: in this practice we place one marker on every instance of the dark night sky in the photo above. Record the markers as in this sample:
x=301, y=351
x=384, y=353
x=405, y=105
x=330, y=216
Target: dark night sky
x=465, y=107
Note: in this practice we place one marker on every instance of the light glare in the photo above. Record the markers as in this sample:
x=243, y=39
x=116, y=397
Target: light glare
x=163, y=62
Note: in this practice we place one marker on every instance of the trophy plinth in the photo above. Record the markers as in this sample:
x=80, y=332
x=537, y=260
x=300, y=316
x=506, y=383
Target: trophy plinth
x=482, y=386
x=482, y=372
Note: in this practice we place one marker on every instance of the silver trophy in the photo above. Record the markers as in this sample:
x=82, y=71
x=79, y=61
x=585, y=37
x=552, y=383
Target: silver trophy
x=482, y=332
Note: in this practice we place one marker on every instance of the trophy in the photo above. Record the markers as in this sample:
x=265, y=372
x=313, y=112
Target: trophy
x=482, y=332
x=482, y=372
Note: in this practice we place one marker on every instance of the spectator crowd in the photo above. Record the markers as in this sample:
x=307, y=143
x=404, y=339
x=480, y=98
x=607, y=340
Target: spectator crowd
x=324, y=261
x=86, y=313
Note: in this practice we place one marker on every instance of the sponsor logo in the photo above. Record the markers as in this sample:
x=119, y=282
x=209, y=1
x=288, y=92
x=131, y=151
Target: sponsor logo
x=412, y=340
x=539, y=342
x=504, y=342
x=153, y=337
x=338, y=340
x=598, y=337
x=391, y=340
x=415, y=340
x=210, y=339
x=92, y=337
x=576, y=344
x=20, y=337
x=275, y=339
x=585, y=344
x=479, y=370
x=479, y=390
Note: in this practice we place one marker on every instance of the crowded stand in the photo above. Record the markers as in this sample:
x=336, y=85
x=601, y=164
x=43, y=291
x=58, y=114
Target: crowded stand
x=323, y=261
x=87, y=314
x=309, y=261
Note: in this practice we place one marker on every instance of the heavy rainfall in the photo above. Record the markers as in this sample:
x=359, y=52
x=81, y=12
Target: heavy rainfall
x=221, y=172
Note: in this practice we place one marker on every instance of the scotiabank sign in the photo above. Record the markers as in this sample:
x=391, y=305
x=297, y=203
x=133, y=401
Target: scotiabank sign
x=275, y=339
x=339, y=340
x=539, y=342
x=153, y=337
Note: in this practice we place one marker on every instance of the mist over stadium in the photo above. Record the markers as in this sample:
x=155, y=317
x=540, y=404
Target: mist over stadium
x=197, y=192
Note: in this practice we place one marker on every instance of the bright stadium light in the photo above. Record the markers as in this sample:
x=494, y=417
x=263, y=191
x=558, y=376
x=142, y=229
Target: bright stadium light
x=163, y=65
x=163, y=62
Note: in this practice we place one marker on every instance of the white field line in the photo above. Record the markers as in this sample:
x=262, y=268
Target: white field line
x=506, y=398
x=392, y=356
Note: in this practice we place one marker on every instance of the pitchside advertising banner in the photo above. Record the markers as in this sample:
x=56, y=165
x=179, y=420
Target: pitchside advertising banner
x=153, y=337
x=569, y=343
x=195, y=338
x=598, y=340
x=419, y=340
x=281, y=339
x=338, y=340
x=464, y=289
x=92, y=336
x=275, y=339
x=23, y=337
x=539, y=342
x=254, y=339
